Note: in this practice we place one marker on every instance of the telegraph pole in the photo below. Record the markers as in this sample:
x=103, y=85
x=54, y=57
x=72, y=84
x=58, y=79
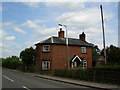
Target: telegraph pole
x=103, y=33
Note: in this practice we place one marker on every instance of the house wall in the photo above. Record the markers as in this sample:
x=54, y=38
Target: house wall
x=40, y=55
x=57, y=56
x=76, y=50
x=37, y=61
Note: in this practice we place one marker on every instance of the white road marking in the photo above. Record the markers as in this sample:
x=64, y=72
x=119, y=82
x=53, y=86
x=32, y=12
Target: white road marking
x=8, y=78
x=25, y=87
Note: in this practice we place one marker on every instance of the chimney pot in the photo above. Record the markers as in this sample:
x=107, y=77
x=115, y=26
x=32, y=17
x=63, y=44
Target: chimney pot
x=60, y=29
x=61, y=33
x=82, y=36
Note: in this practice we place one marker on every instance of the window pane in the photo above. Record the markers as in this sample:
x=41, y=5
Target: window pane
x=83, y=49
x=45, y=65
x=84, y=63
x=46, y=48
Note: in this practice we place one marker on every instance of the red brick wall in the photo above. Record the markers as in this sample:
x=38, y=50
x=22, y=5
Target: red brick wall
x=40, y=55
x=37, y=62
x=57, y=56
x=60, y=59
x=77, y=50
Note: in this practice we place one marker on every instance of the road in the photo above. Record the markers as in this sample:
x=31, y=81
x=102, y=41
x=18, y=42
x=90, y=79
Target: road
x=17, y=79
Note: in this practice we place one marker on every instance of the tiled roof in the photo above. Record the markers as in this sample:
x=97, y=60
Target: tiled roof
x=59, y=40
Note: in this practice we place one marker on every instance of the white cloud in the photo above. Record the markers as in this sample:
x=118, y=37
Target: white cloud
x=19, y=30
x=87, y=17
x=30, y=43
x=110, y=31
x=93, y=31
x=39, y=29
x=32, y=4
x=66, y=5
x=6, y=24
x=40, y=21
x=30, y=24
x=0, y=44
x=44, y=33
x=10, y=38
x=11, y=48
x=40, y=32
x=7, y=52
x=87, y=20
x=2, y=33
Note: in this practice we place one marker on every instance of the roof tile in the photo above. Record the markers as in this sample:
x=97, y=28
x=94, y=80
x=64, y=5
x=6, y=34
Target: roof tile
x=59, y=40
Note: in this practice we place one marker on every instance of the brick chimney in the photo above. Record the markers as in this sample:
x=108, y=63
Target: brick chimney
x=61, y=33
x=82, y=36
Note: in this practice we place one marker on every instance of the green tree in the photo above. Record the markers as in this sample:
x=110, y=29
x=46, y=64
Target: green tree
x=95, y=54
x=11, y=62
x=28, y=57
x=113, y=54
x=95, y=50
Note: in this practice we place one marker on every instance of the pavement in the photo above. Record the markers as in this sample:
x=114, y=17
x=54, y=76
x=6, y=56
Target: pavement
x=79, y=82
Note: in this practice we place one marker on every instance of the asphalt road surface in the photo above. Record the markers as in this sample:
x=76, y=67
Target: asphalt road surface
x=17, y=79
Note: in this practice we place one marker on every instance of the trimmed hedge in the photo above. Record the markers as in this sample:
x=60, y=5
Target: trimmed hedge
x=102, y=75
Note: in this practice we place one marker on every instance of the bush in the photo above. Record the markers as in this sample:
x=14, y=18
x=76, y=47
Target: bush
x=11, y=62
x=102, y=74
x=108, y=67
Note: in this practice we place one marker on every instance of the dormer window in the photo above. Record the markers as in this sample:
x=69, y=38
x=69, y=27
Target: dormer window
x=83, y=50
x=46, y=48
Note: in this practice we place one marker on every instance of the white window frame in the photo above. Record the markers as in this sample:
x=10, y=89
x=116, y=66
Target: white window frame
x=83, y=50
x=84, y=64
x=44, y=50
x=45, y=65
x=74, y=64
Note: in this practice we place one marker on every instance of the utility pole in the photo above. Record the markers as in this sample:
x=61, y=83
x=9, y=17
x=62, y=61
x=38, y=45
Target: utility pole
x=103, y=33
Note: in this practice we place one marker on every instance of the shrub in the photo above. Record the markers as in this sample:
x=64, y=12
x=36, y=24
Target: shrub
x=11, y=62
x=103, y=74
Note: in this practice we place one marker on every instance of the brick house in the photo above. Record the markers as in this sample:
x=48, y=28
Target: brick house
x=51, y=53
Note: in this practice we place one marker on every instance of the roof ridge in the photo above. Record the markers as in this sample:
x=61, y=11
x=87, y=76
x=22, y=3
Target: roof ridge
x=59, y=40
x=45, y=40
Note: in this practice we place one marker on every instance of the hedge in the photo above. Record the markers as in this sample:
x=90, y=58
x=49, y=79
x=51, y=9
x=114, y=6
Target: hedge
x=11, y=63
x=102, y=75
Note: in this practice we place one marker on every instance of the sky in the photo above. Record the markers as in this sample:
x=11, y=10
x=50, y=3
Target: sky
x=26, y=23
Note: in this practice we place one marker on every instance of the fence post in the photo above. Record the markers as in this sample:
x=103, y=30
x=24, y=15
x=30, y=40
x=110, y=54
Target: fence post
x=94, y=75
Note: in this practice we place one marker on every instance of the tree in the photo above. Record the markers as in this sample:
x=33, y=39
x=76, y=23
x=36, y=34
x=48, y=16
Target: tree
x=11, y=62
x=95, y=54
x=113, y=54
x=95, y=50
x=28, y=57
